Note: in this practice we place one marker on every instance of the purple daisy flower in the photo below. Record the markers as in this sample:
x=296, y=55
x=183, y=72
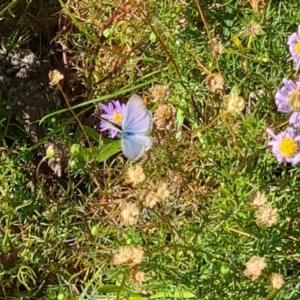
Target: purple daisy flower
x=114, y=112
x=294, y=47
x=286, y=145
x=287, y=100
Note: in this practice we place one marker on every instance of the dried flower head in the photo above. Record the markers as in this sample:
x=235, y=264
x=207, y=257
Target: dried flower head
x=286, y=145
x=252, y=29
x=164, y=117
x=258, y=5
x=277, y=281
x=266, y=215
x=160, y=92
x=234, y=103
x=137, y=277
x=294, y=47
x=254, y=267
x=55, y=77
x=135, y=175
x=162, y=191
x=217, y=46
x=151, y=199
x=215, y=82
x=258, y=199
x=128, y=255
x=287, y=99
x=129, y=213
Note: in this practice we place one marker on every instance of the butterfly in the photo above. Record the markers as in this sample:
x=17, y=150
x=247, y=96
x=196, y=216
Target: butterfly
x=136, y=127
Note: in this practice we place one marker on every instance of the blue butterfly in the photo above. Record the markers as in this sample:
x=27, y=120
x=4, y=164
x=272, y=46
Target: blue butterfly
x=136, y=126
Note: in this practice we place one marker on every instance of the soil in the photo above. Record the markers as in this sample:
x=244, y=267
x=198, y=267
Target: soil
x=25, y=89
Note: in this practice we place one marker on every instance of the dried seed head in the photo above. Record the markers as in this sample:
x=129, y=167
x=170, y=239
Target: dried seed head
x=137, y=277
x=277, y=281
x=258, y=5
x=164, y=117
x=254, y=267
x=160, y=92
x=135, y=175
x=152, y=197
x=252, y=29
x=215, y=82
x=129, y=214
x=128, y=255
x=162, y=191
x=258, y=199
x=233, y=103
x=266, y=215
x=55, y=77
x=217, y=46
x=150, y=200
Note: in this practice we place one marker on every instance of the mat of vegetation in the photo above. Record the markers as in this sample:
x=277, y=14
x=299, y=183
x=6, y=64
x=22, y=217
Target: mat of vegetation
x=190, y=189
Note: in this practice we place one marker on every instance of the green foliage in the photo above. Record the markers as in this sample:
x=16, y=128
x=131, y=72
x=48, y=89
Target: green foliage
x=60, y=236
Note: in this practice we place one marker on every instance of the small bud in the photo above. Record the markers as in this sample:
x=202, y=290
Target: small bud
x=95, y=230
x=75, y=149
x=224, y=270
x=73, y=164
x=107, y=33
x=152, y=37
x=61, y=296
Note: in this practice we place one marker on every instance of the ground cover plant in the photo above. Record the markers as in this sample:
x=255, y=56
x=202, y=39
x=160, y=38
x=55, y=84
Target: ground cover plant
x=211, y=211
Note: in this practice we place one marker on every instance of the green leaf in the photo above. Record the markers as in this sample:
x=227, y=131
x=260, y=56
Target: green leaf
x=176, y=293
x=108, y=289
x=92, y=133
x=108, y=150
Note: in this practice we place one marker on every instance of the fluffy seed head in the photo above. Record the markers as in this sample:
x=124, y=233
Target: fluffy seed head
x=255, y=267
x=135, y=175
x=128, y=255
x=266, y=215
x=234, y=103
x=129, y=214
x=258, y=199
x=164, y=117
x=160, y=92
x=55, y=77
x=137, y=277
x=252, y=29
x=215, y=82
x=277, y=281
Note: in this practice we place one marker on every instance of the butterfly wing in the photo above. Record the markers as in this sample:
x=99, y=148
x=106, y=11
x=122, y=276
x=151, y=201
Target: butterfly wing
x=110, y=125
x=134, y=145
x=137, y=118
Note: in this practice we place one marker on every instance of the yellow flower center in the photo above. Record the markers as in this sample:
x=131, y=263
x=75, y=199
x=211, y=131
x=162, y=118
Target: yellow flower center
x=294, y=99
x=297, y=47
x=117, y=118
x=288, y=147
